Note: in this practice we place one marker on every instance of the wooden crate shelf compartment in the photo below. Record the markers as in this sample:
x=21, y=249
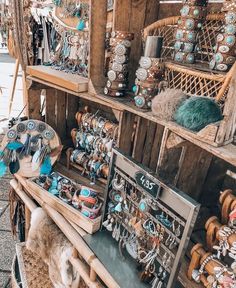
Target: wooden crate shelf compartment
x=226, y=152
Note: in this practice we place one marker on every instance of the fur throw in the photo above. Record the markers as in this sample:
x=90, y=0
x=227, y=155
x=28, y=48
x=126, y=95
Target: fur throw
x=197, y=112
x=46, y=240
x=165, y=104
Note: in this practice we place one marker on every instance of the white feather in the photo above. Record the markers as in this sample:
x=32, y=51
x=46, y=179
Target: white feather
x=35, y=161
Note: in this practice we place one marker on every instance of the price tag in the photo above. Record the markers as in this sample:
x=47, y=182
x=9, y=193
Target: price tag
x=147, y=184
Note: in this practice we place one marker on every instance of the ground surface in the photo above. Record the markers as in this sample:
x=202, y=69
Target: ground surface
x=7, y=244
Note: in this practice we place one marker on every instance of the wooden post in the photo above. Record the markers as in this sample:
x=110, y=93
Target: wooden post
x=98, y=23
x=13, y=89
x=27, y=221
x=33, y=100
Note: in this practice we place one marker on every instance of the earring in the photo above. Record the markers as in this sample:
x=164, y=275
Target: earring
x=167, y=242
x=109, y=226
x=114, y=231
x=172, y=244
x=118, y=185
x=118, y=207
x=105, y=223
x=143, y=206
x=132, y=221
x=178, y=231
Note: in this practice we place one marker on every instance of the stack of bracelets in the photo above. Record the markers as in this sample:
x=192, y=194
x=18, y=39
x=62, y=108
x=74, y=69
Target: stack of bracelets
x=94, y=140
x=225, y=53
x=120, y=43
x=149, y=234
x=193, y=14
x=85, y=199
x=147, y=82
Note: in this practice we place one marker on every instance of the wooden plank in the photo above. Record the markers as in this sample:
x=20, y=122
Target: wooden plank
x=122, y=15
x=50, y=116
x=127, y=132
x=194, y=171
x=147, y=151
x=68, y=80
x=156, y=147
x=139, y=140
x=33, y=108
x=61, y=114
x=72, y=109
x=98, y=12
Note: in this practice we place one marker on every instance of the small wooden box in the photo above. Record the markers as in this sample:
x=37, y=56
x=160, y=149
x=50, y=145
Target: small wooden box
x=69, y=212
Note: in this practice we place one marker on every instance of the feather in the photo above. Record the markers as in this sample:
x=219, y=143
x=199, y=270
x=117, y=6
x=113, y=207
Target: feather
x=14, y=166
x=36, y=161
x=56, y=151
x=14, y=145
x=3, y=168
x=46, y=166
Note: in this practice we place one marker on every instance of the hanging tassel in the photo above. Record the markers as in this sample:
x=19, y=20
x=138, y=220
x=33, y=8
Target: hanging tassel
x=81, y=25
x=14, y=166
x=46, y=167
x=36, y=161
x=14, y=145
x=3, y=168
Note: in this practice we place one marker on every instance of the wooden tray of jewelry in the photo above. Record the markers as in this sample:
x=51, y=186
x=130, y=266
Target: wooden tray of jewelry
x=150, y=221
x=67, y=207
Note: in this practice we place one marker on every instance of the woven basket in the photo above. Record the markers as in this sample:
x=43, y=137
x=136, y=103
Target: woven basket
x=33, y=272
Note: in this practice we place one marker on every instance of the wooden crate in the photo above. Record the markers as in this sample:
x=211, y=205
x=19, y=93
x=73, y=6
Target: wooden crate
x=69, y=212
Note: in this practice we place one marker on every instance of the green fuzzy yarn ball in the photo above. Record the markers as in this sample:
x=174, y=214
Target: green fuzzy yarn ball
x=197, y=112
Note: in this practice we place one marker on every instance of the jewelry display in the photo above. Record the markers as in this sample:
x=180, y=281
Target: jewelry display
x=83, y=198
x=224, y=56
x=193, y=13
x=206, y=268
x=120, y=46
x=149, y=76
x=144, y=223
x=29, y=148
x=93, y=141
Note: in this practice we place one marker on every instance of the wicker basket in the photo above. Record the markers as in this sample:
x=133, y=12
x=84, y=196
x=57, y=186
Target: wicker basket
x=28, y=270
x=198, y=79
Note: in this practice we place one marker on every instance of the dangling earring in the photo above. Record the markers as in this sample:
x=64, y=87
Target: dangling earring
x=118, y=207
x=178, y=231
x=105, y=223
x=117, y=186
x=109, y=226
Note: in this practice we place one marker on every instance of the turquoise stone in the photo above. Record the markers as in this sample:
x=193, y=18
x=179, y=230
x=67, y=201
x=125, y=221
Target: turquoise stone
x=142, y=206
x=139, y=101
x=230, y=40
x=80, y=25
x=134, y=89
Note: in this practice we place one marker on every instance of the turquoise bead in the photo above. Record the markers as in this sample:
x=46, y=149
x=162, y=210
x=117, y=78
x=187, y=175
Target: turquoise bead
x=80, y=25
x=134, y=89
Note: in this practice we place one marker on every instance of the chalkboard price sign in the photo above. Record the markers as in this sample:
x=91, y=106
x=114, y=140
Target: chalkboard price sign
x=147, y=184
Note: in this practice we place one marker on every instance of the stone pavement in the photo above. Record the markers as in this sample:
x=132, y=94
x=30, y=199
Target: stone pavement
x=7, y=243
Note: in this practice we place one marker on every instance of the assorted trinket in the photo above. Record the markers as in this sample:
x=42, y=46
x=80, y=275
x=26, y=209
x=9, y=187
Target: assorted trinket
x=29, y=148
x=93, y=140
x=193, y=14
x=117, y=82
x=224, y=56
x=143, y=225
x=83, y=198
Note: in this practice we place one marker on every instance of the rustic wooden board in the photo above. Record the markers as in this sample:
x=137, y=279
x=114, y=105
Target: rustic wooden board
x=61, y=114
x=147, y=149
x=194, y=171
x=50, y=116
x=139, y=140
x=67, y=80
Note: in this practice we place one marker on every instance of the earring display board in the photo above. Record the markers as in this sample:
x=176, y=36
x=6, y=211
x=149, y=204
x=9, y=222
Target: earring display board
x=150, y=224
x=29, y=149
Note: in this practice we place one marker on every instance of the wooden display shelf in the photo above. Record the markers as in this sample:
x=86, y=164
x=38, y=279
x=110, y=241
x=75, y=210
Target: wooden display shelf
x=227, y=152
x=69, y=81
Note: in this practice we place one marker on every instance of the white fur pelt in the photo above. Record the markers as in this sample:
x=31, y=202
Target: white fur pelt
x=46, y=240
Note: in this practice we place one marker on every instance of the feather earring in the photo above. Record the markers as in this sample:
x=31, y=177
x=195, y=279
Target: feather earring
x=14, y=166
x=46, y=166
x=36, y=161
x=15, y=145
x=3, y=168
